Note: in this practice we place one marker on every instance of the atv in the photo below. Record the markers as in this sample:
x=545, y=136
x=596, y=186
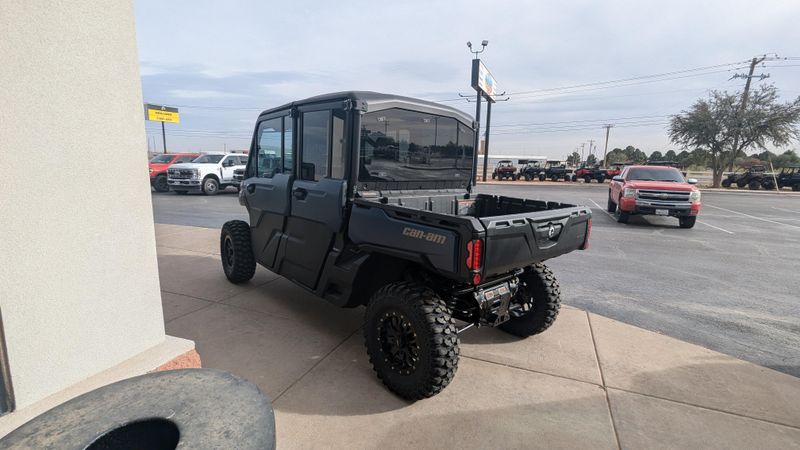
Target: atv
x=556, y=170
x=532, y=170
x=505, y=170
x=789, y=176
x=751, y=177
x=590, y=173
x=410, y=242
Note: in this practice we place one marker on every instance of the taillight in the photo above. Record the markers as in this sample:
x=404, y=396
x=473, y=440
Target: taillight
x=474, y=254
x=588, y=233
x=475, y=259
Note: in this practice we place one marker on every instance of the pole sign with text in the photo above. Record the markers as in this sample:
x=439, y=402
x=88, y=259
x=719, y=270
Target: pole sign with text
x=482, y=80
x=159, y=113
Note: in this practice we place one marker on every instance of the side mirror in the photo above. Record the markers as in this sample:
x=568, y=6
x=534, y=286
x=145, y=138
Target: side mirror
x=618, y=178
x=692, y=180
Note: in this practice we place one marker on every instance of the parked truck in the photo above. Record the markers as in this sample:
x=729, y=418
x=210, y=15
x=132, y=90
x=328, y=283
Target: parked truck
x=412, y=243
x=208, y=173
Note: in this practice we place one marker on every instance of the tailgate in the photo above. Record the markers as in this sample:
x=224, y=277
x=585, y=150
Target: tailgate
x=518, y=240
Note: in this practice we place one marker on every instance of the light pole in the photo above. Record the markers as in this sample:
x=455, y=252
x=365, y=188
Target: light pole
x=477, y=143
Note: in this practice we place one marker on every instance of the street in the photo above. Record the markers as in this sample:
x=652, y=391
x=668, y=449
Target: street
x=729, y=284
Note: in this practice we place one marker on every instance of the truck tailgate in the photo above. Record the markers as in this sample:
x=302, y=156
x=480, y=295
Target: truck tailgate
x=518, y=240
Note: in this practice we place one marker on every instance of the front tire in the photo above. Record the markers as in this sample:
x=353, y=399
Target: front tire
x=622, y=216
x=726, y=183
x=687, y=222
x=411, y=340
x=538, y=301
x=754, y=185
x=236, y=252
x=210, y=186
x=160, y=183
x=611, y=206
x=541, y=177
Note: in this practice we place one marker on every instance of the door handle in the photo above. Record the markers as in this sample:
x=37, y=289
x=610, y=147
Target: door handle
x=300, y=193
x=251, y=188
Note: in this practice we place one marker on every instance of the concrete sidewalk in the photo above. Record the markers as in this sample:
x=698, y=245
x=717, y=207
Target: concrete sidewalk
x=588, y=382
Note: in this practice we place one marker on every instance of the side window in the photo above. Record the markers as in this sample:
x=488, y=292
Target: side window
x=315, y=144
x=288, y=160
x=268, y=148
x=337, y=141
x=183, y=159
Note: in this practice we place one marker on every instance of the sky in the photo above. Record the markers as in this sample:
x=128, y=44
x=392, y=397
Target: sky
x=221, y=63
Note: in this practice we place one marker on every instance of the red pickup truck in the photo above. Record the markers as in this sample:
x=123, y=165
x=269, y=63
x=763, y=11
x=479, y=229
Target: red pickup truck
x=160, y=164
x=654, y=190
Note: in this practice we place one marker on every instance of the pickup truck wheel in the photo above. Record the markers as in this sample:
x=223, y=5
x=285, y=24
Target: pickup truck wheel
x=238, y=261
x=622, y=216
x=160, y=184
x=611, y=206
x=687, y=222
x=210, y=186
x=537, y=302
x=411, y=340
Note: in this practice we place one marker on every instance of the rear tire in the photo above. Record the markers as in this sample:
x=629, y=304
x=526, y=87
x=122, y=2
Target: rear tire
x=622, y=216
x=236, y=252
x=210, y=186
x=726, y=183
x=687, y=222
x=611, y=206
x=411, y=340
x=540, y=299
x=796, y=187
x=494, y=176
x=754, y=185
x=160, y=183
x=587, y=179
x=541, y=177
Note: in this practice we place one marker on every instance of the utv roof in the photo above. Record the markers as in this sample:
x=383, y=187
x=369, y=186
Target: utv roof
x=375, y=101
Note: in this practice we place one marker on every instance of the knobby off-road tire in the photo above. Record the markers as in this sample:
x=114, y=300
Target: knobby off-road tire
x=726, y=183
x=754, y=185
x=236, y=252
x=687, y=222
x=411, y=340
x=541, y=299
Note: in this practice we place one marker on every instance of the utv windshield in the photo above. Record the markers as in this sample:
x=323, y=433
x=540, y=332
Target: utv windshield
x=208, y=159
x=161, y=159
x=399, y=145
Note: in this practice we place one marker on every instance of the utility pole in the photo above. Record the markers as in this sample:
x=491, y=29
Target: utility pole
x=591, y=142
x=608, y=127
x=583, y=144
x=164, y=137
x=745, y=96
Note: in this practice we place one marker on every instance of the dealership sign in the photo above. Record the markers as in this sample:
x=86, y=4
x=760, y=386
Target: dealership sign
x=482, y=79
x=158, y=113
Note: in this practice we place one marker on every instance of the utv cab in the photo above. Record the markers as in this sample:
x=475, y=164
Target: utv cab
x=371, y=204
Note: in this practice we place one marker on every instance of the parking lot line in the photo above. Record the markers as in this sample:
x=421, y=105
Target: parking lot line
x=602, y=209
x=753, y=217
x=786, y=210
x=716, y=227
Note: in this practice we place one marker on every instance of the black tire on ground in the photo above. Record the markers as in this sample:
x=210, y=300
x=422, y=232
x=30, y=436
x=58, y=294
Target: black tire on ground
x=540, y=298
x=622, y=216
x=768, y=185
x=687, y=222
x=180, y=192
x=160, y=183
x=554, y=178
x=411, y=340
x=754, y=185
x=741, y=183
x=236, y=251
x=796, y=187
x=587, y=179
x=210, y=186
x=726, y=183
x=541, y=177
x=611, y=206
x=527, y=177
x=494, y=176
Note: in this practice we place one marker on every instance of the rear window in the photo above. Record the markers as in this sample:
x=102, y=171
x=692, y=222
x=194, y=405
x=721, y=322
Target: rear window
x=162, y=159
x=409, y=146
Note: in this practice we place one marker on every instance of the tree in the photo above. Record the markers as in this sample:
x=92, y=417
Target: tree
x=670, y=156
x=591, y=160
x=574, y=159
x=714, y=124
x=656, y=156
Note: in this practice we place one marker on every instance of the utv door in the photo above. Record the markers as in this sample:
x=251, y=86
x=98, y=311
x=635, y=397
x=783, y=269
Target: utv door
x=266, y=187
x=318, y=192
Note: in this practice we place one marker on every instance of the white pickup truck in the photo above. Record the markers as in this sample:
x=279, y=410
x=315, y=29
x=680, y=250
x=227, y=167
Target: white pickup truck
x=208, y=173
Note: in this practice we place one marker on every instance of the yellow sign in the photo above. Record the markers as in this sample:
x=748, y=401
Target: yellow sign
x=158, y=113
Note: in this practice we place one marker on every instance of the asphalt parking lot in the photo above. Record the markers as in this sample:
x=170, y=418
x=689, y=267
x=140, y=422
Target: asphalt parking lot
x=729, y=284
